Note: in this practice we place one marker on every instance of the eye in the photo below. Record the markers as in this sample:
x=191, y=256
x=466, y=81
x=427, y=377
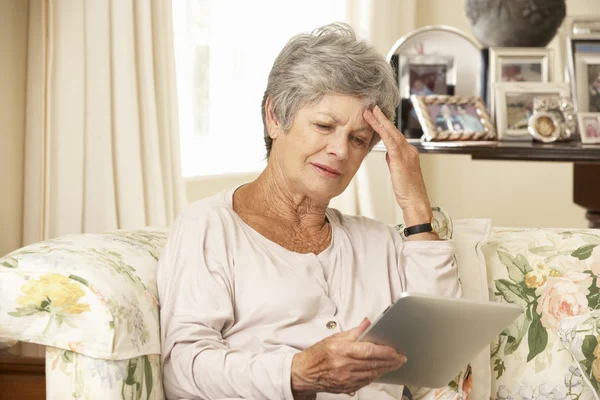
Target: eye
x=324, y=127
x=359, y=141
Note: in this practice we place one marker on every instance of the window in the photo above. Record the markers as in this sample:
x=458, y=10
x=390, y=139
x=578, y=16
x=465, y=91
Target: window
x=224, y=50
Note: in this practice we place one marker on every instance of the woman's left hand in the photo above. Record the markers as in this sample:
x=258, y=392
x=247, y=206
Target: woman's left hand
x=405, y=169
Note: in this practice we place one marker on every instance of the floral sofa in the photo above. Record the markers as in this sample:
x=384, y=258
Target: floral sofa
x=92, y=300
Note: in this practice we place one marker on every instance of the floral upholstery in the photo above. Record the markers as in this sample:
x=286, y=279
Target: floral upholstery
x=552, y=275
x=92, y=300
x=458, y=389
x=93, y=294
x=581, y=337
x=70, y=375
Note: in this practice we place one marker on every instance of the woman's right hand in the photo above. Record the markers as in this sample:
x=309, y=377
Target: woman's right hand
x=340, y=364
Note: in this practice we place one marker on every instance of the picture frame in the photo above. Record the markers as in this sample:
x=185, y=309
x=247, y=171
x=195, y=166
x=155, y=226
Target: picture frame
x=544, y=127
x=526, y=64
x=444, y=117
x=514, y=106
x=563, y=110
x=589, y=127
x=582, y=37
x=422, y=74
x=587, y=79
x=583, y=26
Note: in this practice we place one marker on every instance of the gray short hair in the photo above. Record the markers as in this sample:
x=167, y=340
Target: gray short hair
x=330, y=60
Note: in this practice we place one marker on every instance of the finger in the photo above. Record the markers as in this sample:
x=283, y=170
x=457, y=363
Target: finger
x=391, y=136
x=389, y=142
x=388, y=126
x=360, y=380
x=383, y=365
x=378, y=372
x=375, y=373
x=355, y=333
x=371, y=351
x=351, y=385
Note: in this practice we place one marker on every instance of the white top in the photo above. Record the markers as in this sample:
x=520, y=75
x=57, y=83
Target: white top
x=235, y=306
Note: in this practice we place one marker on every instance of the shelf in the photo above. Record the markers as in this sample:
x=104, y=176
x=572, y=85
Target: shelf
x=516, y=151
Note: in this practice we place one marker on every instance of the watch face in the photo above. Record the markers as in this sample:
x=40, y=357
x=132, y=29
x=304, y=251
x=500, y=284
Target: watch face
x=441, y=224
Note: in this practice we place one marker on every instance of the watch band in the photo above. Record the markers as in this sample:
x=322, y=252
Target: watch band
x=413, y=230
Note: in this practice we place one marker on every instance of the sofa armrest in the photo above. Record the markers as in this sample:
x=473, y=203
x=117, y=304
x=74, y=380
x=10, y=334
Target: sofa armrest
x=92, y=293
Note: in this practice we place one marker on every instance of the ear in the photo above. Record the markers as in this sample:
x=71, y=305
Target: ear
x=273, y=126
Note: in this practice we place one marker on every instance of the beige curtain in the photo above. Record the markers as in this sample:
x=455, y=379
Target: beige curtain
x=382, y=23
x=102, y=148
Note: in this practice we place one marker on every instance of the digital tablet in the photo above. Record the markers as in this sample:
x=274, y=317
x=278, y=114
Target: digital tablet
x=438, y=335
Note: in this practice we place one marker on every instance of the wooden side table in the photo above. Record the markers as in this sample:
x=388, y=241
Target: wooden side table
x=585, y=157
x=22, y=378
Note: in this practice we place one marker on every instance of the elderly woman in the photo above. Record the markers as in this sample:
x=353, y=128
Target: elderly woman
x=264, y=290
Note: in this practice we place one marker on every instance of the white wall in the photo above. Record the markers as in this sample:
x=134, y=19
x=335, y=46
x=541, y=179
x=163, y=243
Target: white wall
x=202, y=187
x=13, y=70
x=527, y=194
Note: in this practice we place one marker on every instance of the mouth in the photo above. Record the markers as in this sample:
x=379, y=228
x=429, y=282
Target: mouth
x=327, y=171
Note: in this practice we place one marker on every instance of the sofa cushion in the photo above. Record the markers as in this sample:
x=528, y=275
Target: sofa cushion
x=551, y=274
x=581, y=337
x=469, y=235
x=93, y=294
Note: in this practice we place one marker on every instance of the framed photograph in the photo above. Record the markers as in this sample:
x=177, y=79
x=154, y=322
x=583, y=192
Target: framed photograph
x=423, y=75
x=514, y=106
x=517, y=64
x=562, y=110
x=589, y=127
x=578, y=49
x=544, y=127
x=588, y=82
x=583, y=26
x=453, y=118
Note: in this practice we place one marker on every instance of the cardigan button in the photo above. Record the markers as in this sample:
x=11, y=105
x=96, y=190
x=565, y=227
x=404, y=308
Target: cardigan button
x=331, y=325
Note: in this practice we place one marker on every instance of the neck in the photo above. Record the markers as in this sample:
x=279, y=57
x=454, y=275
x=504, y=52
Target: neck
x=270, y=195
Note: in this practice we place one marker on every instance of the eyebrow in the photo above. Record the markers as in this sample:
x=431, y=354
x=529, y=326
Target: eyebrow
x=366, y=127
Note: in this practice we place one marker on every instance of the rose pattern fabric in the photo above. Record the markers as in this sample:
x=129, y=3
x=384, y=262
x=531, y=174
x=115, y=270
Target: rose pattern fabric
x=581, y=337
x=70, y=375
x=552, y=275
x=92, y=293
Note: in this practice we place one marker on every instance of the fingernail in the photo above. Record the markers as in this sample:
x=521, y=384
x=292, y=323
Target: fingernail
x=403, y=359
x=377, y=108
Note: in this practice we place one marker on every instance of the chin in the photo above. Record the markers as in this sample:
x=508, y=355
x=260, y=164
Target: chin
x=325, y=192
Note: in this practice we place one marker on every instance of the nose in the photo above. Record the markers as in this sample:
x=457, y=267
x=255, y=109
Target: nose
x=337, y=145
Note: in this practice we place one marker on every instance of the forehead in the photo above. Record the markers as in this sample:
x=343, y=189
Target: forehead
x=338, y=105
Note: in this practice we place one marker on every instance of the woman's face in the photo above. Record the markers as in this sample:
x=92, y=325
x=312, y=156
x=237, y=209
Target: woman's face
x=324, y=146
x=596, y=82
x=445, y=111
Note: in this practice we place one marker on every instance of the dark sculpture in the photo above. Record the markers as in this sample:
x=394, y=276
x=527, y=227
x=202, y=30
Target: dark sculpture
x=515, y=23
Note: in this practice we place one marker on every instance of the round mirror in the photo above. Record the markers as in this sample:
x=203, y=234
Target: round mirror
x=434, y=60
